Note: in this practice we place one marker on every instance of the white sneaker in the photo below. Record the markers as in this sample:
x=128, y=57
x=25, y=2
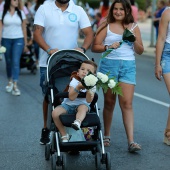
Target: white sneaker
x=76, y=125
x=16, y=92
x=9, y=87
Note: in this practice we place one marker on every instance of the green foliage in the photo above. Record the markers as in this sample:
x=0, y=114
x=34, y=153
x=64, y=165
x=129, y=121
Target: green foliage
x=92, y=3
x=141, y=4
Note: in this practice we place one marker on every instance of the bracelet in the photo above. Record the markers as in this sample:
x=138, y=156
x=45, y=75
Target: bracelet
x=76, y=90
x=106, y=47
x=84, y=50
x=157, y=65
x=48, y=50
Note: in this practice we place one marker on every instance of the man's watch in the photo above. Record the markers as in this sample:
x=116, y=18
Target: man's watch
x=48, y=51
x=84, y=50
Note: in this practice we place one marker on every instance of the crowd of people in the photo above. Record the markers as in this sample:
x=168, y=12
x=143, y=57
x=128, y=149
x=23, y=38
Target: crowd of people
x=105, y=32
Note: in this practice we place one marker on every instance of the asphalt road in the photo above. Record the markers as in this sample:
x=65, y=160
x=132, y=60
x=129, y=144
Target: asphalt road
x=21, y=123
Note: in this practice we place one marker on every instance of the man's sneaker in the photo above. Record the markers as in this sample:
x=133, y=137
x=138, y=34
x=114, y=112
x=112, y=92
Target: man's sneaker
x=76, y=125
x=9, y=87
x=16, y=92
x=45, y=136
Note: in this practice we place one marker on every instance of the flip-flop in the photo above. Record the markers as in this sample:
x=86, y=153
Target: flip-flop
x=133, y=147
x=106, y=141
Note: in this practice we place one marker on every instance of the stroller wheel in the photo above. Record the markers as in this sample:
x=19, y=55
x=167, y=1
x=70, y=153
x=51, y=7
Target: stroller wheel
x=98, y=160
x=53, y=162
x=47, y=151
x=108, y=161
x=34, y=69
x=64, y=160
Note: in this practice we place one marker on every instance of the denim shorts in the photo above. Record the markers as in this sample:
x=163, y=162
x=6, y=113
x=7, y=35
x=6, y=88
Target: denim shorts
x=165, y=60
x=122, y=70
x=43, y=71
x=72, y=109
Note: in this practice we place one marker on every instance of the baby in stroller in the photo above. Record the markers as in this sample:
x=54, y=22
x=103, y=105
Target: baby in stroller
x=73, y=104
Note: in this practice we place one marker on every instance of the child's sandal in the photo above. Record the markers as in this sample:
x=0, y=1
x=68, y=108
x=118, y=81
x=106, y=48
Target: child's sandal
x=65, y=138
x=106, y=141
x=133, y=147
x=167, y=137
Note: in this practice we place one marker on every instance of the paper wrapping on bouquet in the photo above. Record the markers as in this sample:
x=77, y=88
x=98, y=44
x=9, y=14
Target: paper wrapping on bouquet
x=76, y=135
x=128, y=36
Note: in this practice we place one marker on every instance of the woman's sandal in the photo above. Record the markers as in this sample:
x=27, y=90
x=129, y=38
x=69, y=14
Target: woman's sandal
x=133, y=147
x=106, y=141
x=65, y=138
x=167, y=137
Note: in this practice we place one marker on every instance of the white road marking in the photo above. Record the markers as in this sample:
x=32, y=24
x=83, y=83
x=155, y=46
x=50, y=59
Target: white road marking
x=151, y=99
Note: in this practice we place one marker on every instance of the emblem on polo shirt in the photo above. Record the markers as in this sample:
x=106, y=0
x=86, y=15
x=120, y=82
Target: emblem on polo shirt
x=72, y=17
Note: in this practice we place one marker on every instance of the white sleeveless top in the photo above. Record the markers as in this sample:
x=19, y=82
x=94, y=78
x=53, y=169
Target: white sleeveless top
x=124, y=52
x=168, y=31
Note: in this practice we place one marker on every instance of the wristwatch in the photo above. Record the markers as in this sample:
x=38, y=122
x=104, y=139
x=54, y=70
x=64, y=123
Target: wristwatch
x=48, y=51
x=84, y=50
x=106, y=47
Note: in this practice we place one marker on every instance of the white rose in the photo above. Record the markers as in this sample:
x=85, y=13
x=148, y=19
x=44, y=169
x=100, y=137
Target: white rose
x=90, y=80
x=112, y=83
x=2, y=49
x=103, y=77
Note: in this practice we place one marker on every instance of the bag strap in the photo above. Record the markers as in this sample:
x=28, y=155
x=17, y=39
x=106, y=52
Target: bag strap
x=134, y=25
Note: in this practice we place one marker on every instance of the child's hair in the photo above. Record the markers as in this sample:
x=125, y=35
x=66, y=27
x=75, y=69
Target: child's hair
x=110, y=18
x=91, y=63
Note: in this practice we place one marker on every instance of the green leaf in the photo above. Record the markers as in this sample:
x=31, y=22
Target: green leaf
x=107, y=52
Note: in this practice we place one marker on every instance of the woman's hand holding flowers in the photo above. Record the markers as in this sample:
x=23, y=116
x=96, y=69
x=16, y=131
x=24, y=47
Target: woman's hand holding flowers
x=115, y=45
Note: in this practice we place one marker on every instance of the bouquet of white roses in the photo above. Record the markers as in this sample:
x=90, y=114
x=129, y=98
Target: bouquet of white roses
x=101, y=81
x=2, y=49
x=108, y=83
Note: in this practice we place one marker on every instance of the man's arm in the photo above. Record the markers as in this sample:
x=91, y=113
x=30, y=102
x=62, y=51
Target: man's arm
x=37, y=34
x=88, y=32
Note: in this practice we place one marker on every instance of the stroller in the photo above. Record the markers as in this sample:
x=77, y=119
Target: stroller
x=60, y=65
x=28, y=59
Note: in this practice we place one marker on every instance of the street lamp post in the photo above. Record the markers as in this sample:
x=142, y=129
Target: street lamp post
x=152, y=27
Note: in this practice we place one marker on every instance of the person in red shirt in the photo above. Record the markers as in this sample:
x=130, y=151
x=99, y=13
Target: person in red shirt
x=134, y=10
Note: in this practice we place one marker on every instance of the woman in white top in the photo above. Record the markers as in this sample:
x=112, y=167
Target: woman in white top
x=13, y=37
x=120, y=63
x=162, y=60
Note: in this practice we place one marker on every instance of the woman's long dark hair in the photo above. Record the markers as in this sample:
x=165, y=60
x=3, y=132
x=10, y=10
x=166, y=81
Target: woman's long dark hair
x=7, y=8
x=110, y=18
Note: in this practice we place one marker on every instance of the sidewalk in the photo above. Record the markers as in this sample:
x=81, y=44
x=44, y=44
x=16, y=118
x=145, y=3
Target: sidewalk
x=145, y=28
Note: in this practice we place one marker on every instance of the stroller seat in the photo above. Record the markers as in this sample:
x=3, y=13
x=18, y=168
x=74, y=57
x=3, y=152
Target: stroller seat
x=91, y=119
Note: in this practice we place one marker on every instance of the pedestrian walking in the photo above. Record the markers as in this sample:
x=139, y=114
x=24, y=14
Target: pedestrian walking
x=134, y=10
x=52, y=36
x=14, y=38
x=161, y=4
x=162, y=60
x=119, y=63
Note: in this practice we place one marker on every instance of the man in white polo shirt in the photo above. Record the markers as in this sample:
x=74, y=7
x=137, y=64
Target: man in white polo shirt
x=56, y=27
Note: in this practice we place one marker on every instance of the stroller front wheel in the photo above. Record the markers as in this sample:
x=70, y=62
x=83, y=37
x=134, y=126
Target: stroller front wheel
x=53, y=162
x=64, y=160
x=47, y=151
x=108, y=161
x=98, y=160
